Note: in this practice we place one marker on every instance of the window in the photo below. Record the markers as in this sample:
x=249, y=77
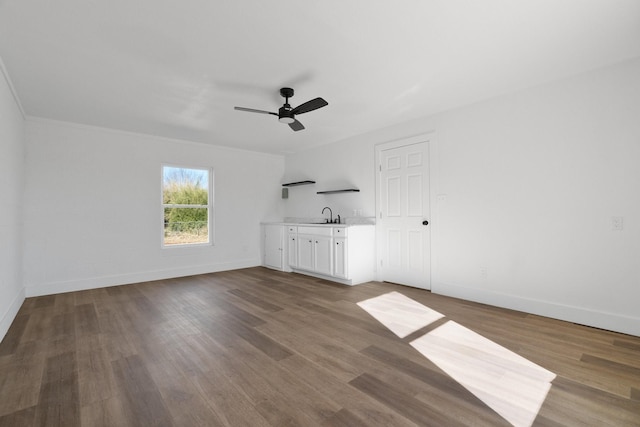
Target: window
x=187, y=204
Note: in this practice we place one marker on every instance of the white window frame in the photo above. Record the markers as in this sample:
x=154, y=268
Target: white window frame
x=209, y=206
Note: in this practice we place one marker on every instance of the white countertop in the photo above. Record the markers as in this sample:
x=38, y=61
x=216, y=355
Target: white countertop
x=348, y=222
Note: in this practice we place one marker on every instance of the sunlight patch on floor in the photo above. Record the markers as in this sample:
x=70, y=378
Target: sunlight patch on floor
x=511, y=385
x=400, y=314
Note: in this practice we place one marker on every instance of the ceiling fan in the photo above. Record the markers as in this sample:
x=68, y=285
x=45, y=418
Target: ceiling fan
x=286, y=114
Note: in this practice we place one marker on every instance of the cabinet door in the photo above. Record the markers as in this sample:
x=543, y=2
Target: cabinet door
x=305, y=252
x=323, y=251
x=340, y=258
x=293, y=250
x=273, y=239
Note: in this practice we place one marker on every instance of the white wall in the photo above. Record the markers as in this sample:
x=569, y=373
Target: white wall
x=11, y=190
x=531, y=181
x=339, y=166
x=93, y=213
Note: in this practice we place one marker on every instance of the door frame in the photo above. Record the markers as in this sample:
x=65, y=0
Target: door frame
x=430, y=139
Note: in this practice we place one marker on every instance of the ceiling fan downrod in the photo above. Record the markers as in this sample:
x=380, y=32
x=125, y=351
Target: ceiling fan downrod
x=284, y=113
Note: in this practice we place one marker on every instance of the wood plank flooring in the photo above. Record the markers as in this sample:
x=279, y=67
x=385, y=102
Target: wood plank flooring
x=257, y=347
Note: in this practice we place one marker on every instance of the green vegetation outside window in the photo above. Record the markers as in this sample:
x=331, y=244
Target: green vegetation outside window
x=186, y=204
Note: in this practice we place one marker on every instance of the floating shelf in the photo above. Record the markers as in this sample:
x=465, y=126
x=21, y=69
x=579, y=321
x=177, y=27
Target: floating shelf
x=294, y=184
x=346, y=190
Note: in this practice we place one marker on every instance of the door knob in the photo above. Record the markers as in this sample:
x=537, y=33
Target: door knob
x=425, y=222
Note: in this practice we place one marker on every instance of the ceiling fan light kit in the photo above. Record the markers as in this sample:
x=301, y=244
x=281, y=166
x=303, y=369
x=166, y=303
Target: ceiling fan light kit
x=286, y=114
x=287, y=120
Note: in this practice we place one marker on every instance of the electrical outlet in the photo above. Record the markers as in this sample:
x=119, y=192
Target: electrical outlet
x=617, y=223
x=483, y=272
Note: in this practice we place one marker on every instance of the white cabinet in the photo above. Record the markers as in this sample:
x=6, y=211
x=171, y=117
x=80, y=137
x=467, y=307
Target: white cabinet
x=314, y=250
x=344, y=254
x=340, y=261
x=305, y=252
x=292, y=249
x=274, y=253
x=322, y=255
x=292, y=245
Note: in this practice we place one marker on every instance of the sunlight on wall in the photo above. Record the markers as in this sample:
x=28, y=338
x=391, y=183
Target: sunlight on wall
x=511, y=385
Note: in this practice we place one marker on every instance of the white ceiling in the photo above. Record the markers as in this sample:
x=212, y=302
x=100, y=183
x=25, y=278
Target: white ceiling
x=177, y=68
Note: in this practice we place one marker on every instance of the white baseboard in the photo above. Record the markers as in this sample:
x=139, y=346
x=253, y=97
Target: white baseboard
x=583, y=316
x=11, y=313
x=126, y=279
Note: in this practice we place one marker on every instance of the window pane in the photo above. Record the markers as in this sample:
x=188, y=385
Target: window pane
x=183, y=186
x=186, y=225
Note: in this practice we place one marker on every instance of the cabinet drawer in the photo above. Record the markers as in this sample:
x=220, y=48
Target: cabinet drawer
x=340, y=232
x=316, y=231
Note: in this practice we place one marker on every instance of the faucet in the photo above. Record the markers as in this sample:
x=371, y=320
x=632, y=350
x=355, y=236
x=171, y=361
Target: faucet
x=330, y=214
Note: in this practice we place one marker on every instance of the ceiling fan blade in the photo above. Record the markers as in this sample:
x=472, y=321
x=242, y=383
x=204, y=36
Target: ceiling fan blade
x=314, y=104
x=296, y=125
x=253, y=110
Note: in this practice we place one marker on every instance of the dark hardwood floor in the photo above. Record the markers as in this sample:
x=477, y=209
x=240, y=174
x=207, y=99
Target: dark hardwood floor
x=257, y=347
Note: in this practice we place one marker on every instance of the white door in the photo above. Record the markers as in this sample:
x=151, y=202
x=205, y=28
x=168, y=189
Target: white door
x=403, y=213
